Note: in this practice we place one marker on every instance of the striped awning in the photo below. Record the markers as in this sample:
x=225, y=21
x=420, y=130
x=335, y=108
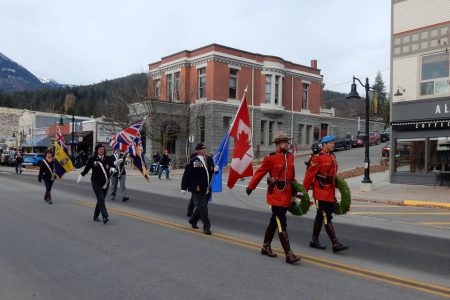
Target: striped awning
x=421, y=125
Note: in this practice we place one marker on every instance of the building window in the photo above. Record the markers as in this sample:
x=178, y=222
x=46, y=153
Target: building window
x=263, y=132
x=268, y=86
x=176, y=87
x=308, y=134
x=305, y=96
x=434, y=74
x=157, y=84
x=409, y=155
x=202, y=128
x=277, y=89
x=232, y=83
x=280, y=126
x=439, y=154
x=171, y=145
x=271, y=133
x=300, y=133
x=169, y=87
x=201, y=82
x=226, y=123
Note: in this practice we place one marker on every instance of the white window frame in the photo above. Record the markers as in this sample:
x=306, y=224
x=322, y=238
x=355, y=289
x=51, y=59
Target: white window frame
x=199, y=83
x=441, y=80
x=305, y=92
x=233, y=77
x=275, y=88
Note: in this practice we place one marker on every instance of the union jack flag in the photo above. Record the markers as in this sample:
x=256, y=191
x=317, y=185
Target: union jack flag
x=60, y=139
x=125, y=138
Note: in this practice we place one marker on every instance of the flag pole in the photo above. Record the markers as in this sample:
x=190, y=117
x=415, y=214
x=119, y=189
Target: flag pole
x=232, y=123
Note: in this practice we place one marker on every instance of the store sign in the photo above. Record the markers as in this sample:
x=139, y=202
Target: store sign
x=441, y=109
x=423, y=125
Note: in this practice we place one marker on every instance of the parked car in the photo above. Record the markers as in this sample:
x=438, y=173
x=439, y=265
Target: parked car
x=6, y=154
x=374, y=139
x=32, y=159
x=385, y=150
x=385, y=135
x=342, y=142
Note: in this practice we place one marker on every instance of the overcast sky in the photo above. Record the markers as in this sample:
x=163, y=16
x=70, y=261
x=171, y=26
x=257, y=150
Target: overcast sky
x=87, y=41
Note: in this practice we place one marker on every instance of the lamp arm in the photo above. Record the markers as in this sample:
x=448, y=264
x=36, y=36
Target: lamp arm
x=358, y=81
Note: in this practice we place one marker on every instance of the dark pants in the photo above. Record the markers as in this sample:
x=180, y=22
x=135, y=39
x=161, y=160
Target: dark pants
x=324, y=211
x=48, y=185
x=18, y=167
x=200, y=210
x=191, y=206
x=163, y=168
x=278, y=219
x=100, y=193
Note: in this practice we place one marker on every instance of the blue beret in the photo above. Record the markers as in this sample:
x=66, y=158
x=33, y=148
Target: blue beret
x=327, y=139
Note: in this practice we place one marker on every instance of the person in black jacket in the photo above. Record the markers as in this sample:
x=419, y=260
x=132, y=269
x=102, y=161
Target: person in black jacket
x=99, y=180
x=164, y=164
x=197, y=179
x=118, y=174
x=47, y=173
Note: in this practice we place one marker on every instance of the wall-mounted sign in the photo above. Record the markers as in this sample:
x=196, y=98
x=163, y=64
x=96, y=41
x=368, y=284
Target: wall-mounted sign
x=422, y=125
x=441, y=109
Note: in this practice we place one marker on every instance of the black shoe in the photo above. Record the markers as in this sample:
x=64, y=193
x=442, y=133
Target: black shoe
x=124, y=199
x=96, y=219
x=105, y=220
x=207, y=231
x=193, y=225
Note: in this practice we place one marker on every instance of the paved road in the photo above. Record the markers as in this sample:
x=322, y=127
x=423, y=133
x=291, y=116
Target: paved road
x=147, y=252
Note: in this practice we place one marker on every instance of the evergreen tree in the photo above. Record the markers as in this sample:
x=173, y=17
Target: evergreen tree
x=382, y=97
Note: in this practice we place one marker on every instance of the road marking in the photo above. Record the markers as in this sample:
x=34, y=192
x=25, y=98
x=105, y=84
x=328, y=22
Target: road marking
x=397, y=213
x=425, y=203
x=434, y=223
x=376, y=205
x=329, y=264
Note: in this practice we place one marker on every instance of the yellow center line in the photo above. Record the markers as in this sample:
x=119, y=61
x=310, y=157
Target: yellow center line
x=397, y=213
x=329, y=264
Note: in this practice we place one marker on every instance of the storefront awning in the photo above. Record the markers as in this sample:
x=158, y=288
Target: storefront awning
x=421, y=125
x=36, y=141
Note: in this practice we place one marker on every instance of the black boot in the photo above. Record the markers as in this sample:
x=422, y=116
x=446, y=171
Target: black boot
x=268, y=237
x=314, y=242
x=337, y=247
x=291, y=258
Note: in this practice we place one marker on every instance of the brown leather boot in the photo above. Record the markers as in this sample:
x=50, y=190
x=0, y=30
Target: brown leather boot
x=291, y=258
x=314, y=242
x=336, y=246
x=268, y=237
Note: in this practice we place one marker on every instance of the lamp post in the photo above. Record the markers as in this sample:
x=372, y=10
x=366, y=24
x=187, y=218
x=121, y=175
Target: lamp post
x=366, y=185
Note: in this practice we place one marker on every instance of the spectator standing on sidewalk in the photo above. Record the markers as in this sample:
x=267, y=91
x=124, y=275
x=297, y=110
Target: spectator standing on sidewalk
x=164, y=164
x=47, y=173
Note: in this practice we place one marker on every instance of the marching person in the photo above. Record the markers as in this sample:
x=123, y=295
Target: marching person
x=19, y=161
x=164, y=164
x=280, y=166
x=99, y=180
x=118, y=174
x=320, y=175
x=47, y=173
x=197, y=179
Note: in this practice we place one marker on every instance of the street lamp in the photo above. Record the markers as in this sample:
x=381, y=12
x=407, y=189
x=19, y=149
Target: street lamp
x=366, y=183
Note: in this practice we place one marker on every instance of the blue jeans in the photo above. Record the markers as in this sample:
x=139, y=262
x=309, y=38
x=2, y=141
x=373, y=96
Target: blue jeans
x=163, y=168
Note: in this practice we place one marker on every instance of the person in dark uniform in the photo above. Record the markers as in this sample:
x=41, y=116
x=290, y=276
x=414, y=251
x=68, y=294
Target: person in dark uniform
x=280, y=166
x=47, y=173
x=164, y=164
x=191, y=206
x=99, y=180
x=118, y=174
x=197, y=179
x=19, y=161
x=320, y=175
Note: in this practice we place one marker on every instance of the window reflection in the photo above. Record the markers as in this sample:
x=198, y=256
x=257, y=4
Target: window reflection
x=439, y=154
x=410, y=155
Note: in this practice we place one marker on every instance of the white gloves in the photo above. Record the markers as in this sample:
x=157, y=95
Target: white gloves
x=79, y=178
x=183, y=192
x=216, y=168
x=112, y=170
x=118, y=162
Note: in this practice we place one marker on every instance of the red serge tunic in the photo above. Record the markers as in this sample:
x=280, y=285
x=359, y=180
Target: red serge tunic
x=324, y=164
x=274, y=164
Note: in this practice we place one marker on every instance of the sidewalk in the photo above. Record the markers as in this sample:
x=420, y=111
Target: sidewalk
x=400, y=194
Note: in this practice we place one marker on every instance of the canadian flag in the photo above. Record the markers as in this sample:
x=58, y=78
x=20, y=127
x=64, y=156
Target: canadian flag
x=241, y=131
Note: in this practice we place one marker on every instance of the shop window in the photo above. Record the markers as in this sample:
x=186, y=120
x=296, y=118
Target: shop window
x=439, y=154
x=409, y=155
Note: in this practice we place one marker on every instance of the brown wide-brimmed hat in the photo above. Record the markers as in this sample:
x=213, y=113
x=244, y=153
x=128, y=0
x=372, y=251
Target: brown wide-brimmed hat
x=281, y=137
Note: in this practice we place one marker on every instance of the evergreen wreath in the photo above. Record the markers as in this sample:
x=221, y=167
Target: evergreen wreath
x=341, y=208
x=302, y=208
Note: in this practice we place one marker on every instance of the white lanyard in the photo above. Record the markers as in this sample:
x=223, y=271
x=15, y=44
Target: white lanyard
x=48, y=167
x=106, y=176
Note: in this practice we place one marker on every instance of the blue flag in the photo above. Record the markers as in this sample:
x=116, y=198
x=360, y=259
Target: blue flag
x=221, y=160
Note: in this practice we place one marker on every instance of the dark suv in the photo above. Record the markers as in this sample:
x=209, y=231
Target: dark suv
x=342, y=142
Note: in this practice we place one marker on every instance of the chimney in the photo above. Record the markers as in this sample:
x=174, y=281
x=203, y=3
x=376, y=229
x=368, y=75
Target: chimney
x=314, y=63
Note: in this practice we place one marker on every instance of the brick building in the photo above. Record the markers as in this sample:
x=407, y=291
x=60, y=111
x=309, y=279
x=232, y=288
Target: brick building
x=420, y=89
x=282, y=95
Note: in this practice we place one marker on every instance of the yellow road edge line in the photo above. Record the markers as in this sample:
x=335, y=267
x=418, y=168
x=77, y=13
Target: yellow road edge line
x=434, y=223
x=425, y=203
x=367, y=273
x=397, y=213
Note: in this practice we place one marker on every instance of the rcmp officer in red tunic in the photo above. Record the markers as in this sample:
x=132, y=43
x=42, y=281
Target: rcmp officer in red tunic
x=280, y=166
x=320, y=176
